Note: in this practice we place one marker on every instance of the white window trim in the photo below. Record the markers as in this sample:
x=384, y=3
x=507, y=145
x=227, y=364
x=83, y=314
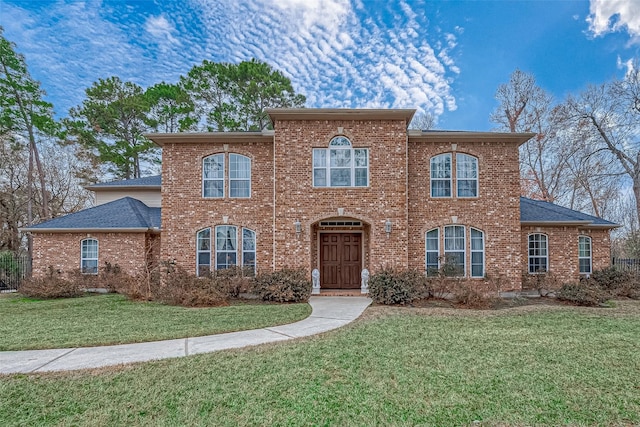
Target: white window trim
x=590, y=257
x=476, y=179
x=327, y=166
x=436, y=251
x=83, y=258
x=217, y=251
x=231, y=196
x=223, y=179
x=242, y=251
x=472, y=251
x=198, y=251
x=432, y=179
x=464, y=246
x=529, y=256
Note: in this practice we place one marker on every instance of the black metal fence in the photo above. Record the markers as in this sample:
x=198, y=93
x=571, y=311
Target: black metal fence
x=627, y=264
x=14, y=268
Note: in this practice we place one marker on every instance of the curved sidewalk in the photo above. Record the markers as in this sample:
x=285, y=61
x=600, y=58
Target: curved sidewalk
x=327, y=313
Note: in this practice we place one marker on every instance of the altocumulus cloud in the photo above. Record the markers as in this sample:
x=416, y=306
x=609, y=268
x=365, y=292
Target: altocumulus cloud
x=338, y=53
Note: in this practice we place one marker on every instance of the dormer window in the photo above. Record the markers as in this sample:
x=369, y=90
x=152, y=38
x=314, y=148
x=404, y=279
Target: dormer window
x=340, y=165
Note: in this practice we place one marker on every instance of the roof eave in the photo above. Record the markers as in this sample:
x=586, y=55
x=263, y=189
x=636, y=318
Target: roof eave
x=91, y=230
x=582, y=224
x=276, y=114
x=468, y=136
x=210, y=137
x=98, y=187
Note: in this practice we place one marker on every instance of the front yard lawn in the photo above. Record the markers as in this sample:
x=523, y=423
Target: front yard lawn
x=28, y=324
x=535, y=365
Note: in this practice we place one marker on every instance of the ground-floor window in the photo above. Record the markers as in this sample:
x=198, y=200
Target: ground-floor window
x=225, y=249
x=452, y=259
x=538, y=253
x=89, y=256
x=584, y=254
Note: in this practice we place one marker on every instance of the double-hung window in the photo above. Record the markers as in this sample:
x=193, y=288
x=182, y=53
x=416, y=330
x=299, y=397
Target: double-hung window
x=584, y=254
x=442, y=176
x=214, y=175
x=433, y=252
x=223, y=250
x=454, y=249
x=89, y=256
x=340, y=165
x=454, y=252
x=466, y=175
x=538, y=253
x=477, y=253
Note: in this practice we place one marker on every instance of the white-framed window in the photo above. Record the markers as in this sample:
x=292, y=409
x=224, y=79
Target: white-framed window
x=223, y=249
x=432, y=252
x=441, y=175
x=249, y=251
x=454, y=249
x=584, y=254
x=340, y=165
x=538, y=253
x=466, y=175
x=203, y=252
x=477, y=253
x=226, y=246
x=239, y=176
x=89, y=256
x=214, y=176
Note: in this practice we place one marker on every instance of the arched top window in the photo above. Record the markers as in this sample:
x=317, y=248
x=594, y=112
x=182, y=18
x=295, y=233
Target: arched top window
x=442, y=175
x=89, y=256
x=538, y=253
x=340, y=141
x=448, y=249
x=584, y=254
x=214, y=175
x=340, y=165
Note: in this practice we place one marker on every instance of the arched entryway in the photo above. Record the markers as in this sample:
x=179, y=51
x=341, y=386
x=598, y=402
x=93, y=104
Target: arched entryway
x=340, y=253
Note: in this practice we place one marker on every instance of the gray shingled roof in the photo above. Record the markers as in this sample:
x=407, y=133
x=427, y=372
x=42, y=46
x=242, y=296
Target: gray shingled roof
x=125, y=213
x=541, y=212
x=147, y=181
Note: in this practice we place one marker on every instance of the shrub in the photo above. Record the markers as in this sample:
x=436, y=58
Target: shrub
x=52, y=285
x=286, y=285
x=618, y=283
x=234, y=280
x=392, y=286
x=583, y=293
x=188, y=290
x=466, y=293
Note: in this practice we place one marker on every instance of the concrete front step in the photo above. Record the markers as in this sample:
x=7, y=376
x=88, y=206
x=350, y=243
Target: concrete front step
x=340, y=293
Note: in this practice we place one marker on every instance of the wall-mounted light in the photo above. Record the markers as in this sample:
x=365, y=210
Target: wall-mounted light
x=387, y=227
x=298, y=227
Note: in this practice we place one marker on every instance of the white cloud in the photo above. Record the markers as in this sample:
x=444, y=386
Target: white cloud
x=615, y=15
x=338, y=53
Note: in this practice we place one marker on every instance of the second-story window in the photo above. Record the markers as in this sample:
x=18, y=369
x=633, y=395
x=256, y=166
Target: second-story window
x=442, y=176
x=340, y=165
x=214, y=176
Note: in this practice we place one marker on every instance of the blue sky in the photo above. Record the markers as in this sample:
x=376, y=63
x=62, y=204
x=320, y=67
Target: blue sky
x=444, y=57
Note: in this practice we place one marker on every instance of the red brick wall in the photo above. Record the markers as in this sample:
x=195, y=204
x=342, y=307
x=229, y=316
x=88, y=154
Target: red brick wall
x=496, y=210
x=563, y=249
x=297, y=199
x=62, y=251
x=185, y=211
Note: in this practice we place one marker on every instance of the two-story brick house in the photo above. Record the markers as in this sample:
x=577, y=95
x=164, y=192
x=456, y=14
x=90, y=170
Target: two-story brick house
x=335, y=190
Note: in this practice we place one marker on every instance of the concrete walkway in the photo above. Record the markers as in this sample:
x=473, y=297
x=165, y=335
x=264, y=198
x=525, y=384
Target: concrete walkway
x=327, y=313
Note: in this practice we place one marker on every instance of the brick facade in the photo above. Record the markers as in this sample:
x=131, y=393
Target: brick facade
x=62, y=250
x=283, y=197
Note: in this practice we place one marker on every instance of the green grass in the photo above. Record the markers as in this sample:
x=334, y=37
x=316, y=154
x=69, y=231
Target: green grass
x=112, y=319
x=527, y=366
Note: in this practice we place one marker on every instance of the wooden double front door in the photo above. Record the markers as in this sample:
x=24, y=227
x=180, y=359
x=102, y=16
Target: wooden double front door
x=340, y=260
